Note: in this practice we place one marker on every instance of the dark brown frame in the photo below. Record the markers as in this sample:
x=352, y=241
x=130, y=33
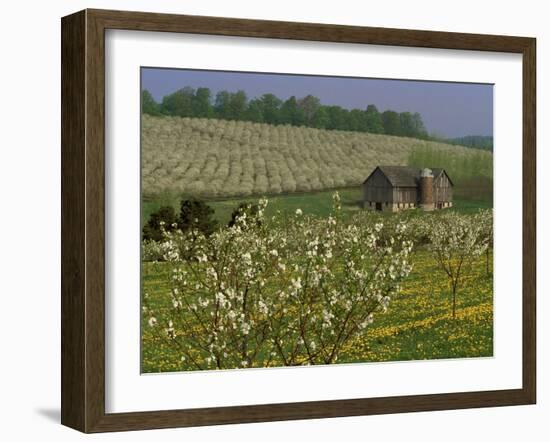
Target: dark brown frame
x=83, y=215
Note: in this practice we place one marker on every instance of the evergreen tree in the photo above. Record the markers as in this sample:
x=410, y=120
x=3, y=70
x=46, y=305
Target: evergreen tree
x=195, y=214
x=164, y=218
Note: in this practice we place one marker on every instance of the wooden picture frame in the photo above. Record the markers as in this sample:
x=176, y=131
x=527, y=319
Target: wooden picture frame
x=83, y=220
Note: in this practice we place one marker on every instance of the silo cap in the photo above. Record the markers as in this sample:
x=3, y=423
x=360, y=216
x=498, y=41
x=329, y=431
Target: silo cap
x=426, y=172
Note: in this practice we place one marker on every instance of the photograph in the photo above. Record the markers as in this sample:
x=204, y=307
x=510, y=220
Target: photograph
x=298, y=220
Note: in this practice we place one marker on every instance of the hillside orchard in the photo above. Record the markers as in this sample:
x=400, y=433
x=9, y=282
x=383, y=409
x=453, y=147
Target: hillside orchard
x=221, y=159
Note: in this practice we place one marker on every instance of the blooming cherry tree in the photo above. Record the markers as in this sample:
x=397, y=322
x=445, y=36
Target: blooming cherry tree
x=291, y=291
x=455, y=241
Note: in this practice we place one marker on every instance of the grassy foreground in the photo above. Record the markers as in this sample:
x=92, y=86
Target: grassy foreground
x=418, y=324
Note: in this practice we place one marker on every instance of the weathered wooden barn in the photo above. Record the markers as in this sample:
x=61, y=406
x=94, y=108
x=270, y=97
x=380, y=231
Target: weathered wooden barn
x=394, y=188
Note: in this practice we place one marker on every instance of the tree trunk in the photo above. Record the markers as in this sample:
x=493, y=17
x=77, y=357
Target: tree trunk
x=454, y=301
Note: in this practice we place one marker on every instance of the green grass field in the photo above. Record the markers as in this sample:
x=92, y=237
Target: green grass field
x=312, y=203
x=418, y=324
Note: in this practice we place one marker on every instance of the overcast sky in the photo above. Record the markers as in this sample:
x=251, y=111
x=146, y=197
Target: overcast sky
x=449, y=109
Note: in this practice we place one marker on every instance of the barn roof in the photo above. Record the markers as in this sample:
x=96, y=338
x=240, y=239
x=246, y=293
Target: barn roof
x=405, y=176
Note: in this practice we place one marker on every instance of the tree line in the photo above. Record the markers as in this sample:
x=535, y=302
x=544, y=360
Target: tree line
x=307, y=111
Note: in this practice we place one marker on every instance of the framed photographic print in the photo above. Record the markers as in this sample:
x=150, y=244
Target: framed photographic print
x=267, y=221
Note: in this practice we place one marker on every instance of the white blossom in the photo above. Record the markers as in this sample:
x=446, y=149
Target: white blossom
x=298, y=278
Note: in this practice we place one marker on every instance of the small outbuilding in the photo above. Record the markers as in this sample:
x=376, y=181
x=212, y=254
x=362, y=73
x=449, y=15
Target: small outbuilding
x=394, y=188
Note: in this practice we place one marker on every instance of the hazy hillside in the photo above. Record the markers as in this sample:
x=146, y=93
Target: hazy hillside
x=219, y=158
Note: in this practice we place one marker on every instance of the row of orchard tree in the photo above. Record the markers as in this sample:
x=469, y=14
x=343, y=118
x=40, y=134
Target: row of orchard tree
x=295, y=290
x=307, y=111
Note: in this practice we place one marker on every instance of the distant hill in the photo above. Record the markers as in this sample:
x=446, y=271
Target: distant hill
x=476, y=141
x=220, y=158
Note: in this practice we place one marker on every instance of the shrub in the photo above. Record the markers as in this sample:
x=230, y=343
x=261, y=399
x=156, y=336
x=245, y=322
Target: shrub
x=163, y=219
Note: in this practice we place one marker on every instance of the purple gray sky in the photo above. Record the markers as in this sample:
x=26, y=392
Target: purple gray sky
x=449, y=109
